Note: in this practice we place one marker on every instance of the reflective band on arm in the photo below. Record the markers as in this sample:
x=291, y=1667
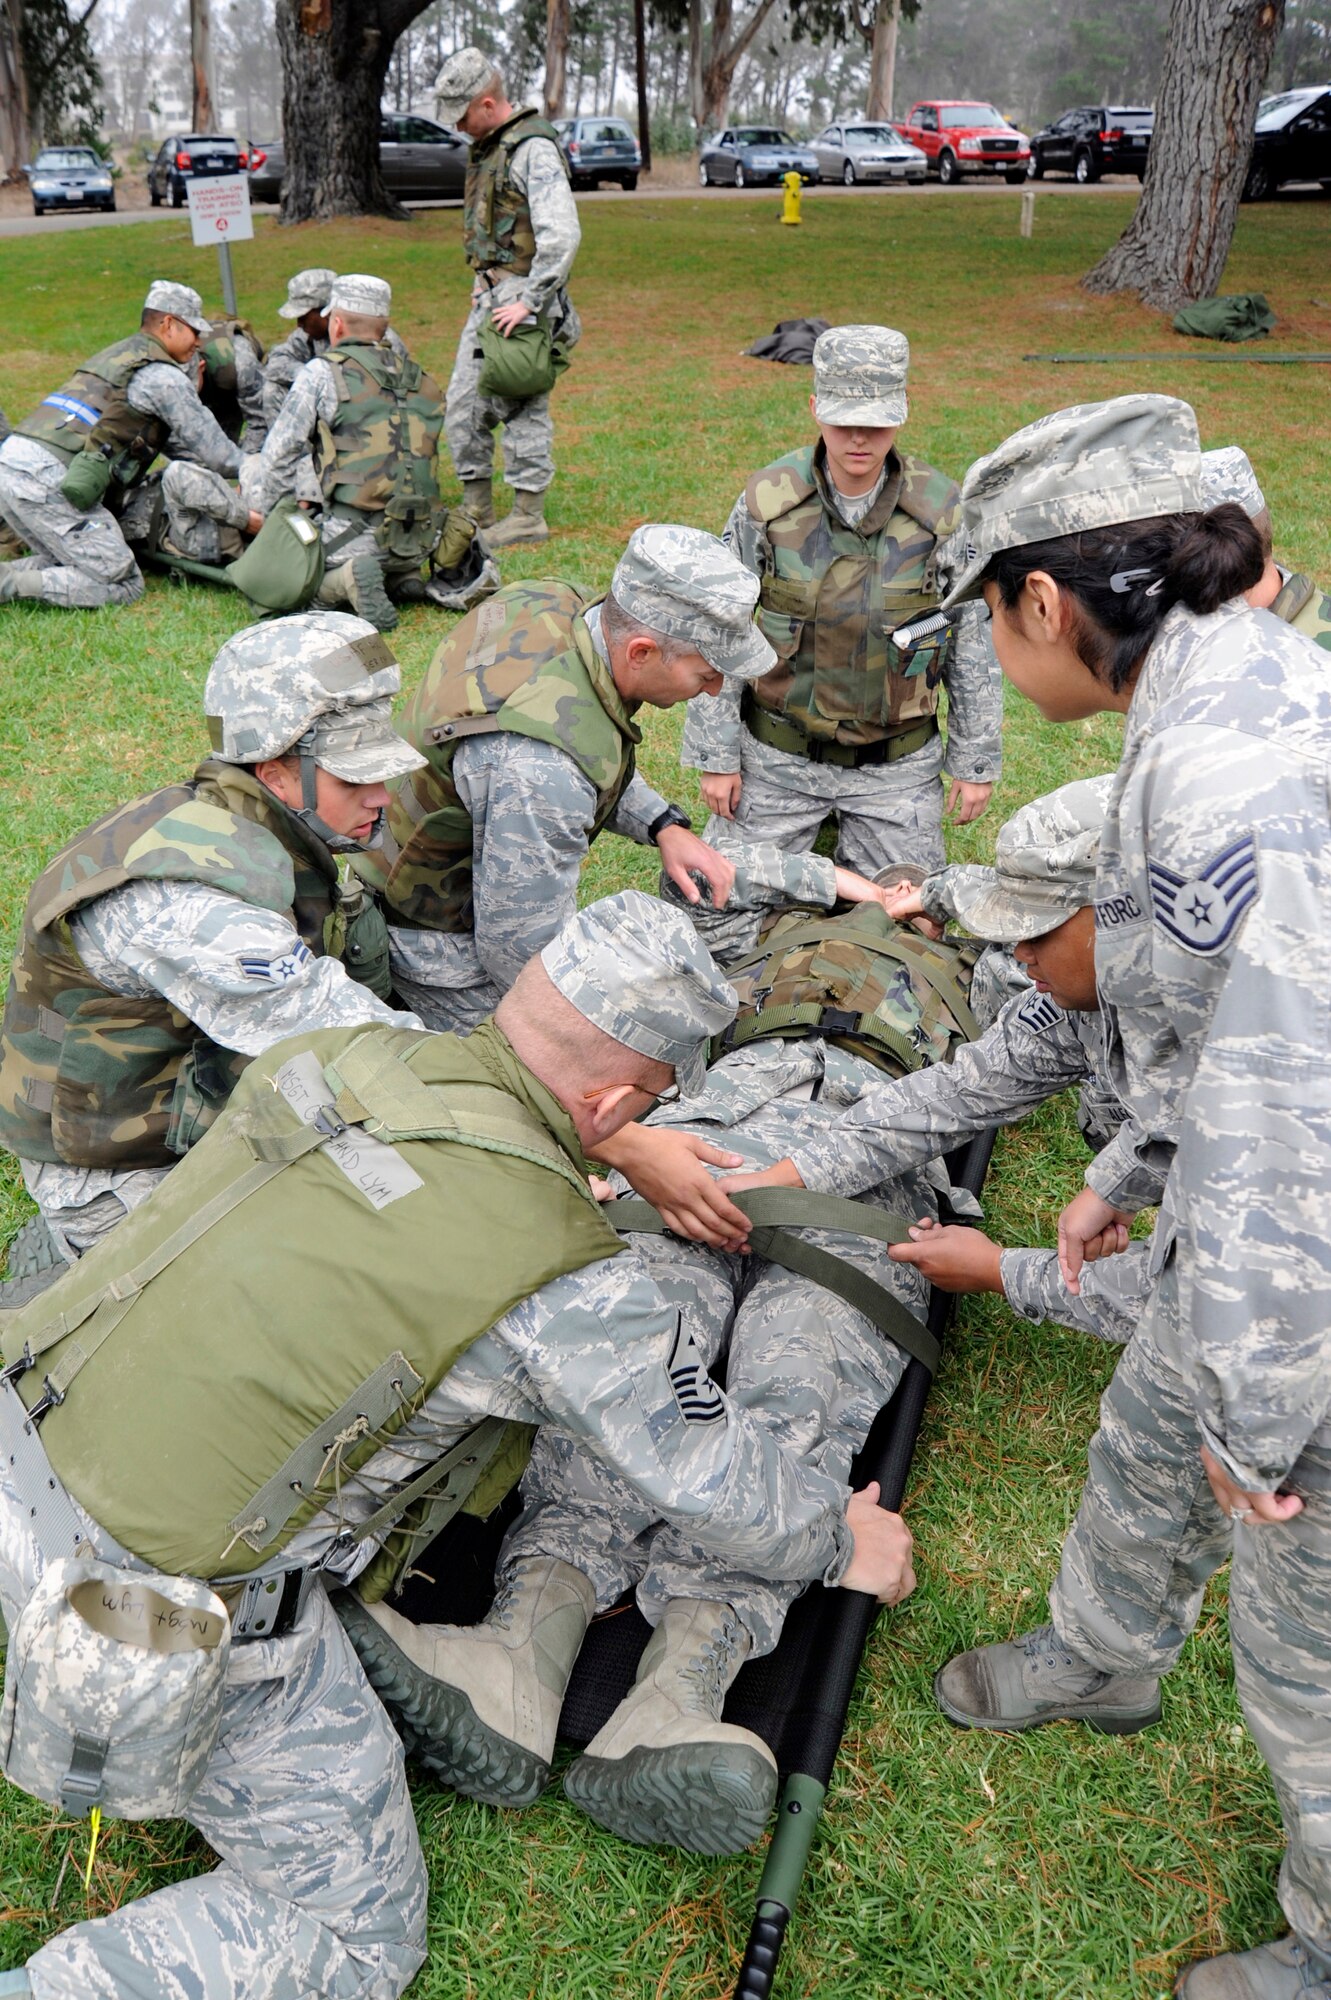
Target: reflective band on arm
x=74, y=408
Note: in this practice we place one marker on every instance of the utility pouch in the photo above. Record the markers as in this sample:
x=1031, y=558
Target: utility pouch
x=205, y=1080
x=86, y=480
x=521, y=364
x=113, y=1689
x=409, y=527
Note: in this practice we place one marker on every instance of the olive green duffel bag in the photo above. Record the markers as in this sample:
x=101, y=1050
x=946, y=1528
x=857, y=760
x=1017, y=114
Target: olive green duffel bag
x=524, y=363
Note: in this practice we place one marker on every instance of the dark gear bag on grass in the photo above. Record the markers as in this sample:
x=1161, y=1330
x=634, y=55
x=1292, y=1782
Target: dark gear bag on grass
x=1240, y=316
x=518, y=365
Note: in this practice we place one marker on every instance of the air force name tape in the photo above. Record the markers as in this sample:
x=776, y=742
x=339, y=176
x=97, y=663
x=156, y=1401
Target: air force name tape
x=699, y=1399
x=1202, y=911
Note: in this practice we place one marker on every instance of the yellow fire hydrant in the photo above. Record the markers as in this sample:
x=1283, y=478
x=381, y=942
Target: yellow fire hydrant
x=790, y=201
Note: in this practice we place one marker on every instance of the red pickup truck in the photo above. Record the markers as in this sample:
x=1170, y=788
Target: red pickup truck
x=960, y=136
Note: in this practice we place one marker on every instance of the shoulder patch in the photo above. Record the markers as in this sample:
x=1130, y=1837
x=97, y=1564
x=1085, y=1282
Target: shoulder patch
x=1040, y=1012
x=699, y=1399
x=279, y=971
x=1202, y=911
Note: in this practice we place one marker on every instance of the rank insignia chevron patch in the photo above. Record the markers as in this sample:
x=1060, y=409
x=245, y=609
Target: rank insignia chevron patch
x=699, y=1399
x=1202, y=911
x=1040, y=1013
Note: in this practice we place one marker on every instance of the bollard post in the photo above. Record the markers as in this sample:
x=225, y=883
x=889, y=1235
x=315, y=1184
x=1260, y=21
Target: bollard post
x=790, y=203
x=1028, y=212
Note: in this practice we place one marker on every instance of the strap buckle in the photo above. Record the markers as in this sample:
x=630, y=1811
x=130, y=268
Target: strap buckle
x=10, y=1374
x=327, y=1121
x=50, y=1399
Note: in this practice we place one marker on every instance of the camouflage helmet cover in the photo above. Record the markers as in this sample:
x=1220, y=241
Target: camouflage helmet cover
x=321, y=671
x=1095, y=465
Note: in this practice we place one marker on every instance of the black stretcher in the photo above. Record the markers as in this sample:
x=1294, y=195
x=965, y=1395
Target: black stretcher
x=796, y=1698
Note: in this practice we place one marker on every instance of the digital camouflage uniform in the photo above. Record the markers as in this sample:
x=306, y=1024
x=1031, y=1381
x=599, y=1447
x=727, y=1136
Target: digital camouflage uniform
x=321, y=1886
x=1212, y=903
x=838, y=575
x=486, y=845
x=203, y=513
x=520, y=234
x=80, y=556
x=223, y=924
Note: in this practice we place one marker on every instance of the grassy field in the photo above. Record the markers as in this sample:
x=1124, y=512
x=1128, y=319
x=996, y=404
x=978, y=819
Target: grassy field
x=949, y=1864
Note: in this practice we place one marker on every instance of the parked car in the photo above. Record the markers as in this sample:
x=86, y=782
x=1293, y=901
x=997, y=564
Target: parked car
x=188, y=156
x=599, y=149
x=1094, y=139
x=69, y=177
x=419, y=159
x=864, y=152
x=961, y=136
x=749, y=155
x=1292, y=141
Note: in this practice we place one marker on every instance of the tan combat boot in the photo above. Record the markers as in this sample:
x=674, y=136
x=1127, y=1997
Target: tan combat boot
x=478, y=500
x=666, y=1771
x=526, y=523
x=481, y=1703
x=360, y=584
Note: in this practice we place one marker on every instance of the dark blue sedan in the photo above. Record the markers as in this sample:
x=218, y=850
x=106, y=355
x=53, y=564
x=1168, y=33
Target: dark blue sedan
x=754, y=156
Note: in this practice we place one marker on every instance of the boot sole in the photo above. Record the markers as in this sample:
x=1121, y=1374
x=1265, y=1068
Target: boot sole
x=1105, y=1721
x=438, y=1725
x=491, y=539
x=707, y=1798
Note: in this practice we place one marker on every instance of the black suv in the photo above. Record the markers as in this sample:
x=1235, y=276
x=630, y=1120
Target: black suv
x=1292, y=141
x=187, y=156
x=1094, y=139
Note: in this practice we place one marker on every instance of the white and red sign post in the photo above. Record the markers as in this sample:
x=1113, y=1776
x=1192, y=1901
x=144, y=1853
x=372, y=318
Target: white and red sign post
x=219, y=214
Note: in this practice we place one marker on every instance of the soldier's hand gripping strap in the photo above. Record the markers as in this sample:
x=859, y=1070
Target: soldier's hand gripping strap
x=775, y=1214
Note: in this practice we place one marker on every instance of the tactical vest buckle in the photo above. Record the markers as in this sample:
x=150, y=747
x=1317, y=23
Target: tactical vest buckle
x=327, y=1121
x=25, y=1361
x=50, y=1399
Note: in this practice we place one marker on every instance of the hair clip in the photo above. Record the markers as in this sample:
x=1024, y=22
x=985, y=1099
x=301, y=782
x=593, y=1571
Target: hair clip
x=1123, y=580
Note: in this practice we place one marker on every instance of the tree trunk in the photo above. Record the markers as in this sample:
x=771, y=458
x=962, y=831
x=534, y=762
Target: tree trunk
x=883, y=59
x=724, y=53
x=201, y=61
x=1174, y=249
x=640, y=69
x=557, y=18
x=15, y=125
x=335, y=57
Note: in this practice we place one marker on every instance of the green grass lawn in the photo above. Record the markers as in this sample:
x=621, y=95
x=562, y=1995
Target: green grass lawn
x=949, y=1864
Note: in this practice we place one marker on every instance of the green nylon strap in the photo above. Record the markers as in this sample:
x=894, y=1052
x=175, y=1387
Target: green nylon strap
x=775, y=1212
x=813, y=1016
x=1173, y=355
x=915, y=955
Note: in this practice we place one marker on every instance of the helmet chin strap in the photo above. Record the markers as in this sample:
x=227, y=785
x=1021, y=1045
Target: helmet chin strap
x=307, y=812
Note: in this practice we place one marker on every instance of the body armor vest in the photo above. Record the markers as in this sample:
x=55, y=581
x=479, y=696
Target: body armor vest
x=92, y=412
x=497, y=231
x=378, y=454
x=290, y=1241
x=875, y=987
x=1307, y=607
x=219, y=387
x=522, y=661
x=94, y=1079
x=832, y=594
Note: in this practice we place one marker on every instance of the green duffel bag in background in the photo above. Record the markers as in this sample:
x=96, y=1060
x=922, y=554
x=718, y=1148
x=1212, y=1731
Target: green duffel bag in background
x=526, y=362
x=284, y=565
x=1237, y=316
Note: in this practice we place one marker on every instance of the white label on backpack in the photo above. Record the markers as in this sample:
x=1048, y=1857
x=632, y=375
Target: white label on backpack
x=374, y=1168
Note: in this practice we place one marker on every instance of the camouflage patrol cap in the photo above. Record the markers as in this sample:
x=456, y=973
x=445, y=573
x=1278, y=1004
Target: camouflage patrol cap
x=1227, y=474
x=359, y=293
x=463, y=77
x=322, y=671
x=308, y=291
x=859, y=376
x=1044, y=866
x=1135, y=458
x=635, y=968
x=181, y=301
x=687, y=585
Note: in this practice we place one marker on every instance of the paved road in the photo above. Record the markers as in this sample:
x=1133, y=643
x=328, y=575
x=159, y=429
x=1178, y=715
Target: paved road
x=50, y=225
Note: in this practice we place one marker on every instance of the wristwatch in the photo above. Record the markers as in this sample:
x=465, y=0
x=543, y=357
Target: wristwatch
x=672, y=816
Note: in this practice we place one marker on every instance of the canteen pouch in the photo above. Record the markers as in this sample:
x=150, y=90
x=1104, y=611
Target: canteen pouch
x=284, y=565
x=86, y=480
x=521, y=364
x=113, y=1689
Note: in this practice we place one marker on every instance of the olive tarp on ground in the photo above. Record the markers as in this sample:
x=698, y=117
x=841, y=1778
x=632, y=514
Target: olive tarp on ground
x=796, y=1698
x=790, y=340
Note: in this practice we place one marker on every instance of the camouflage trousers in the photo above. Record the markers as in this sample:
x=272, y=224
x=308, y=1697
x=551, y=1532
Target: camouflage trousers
x=321, y=1887
x=81, y=558
x=203, y=513
x=1149, y=1533
x=884, y=814
x=811, y=1368
x=471, y=420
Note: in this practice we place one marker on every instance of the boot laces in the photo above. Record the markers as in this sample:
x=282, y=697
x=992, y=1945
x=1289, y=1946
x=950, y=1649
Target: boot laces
x=709, y=1666
x=1049, y=1660
x=1316, y=1974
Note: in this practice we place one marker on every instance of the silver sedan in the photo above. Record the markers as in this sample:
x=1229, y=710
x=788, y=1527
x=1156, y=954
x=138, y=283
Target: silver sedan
x=864, y=152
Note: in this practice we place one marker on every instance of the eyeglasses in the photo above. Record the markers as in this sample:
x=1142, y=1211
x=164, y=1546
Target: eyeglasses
x=671, y=1095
